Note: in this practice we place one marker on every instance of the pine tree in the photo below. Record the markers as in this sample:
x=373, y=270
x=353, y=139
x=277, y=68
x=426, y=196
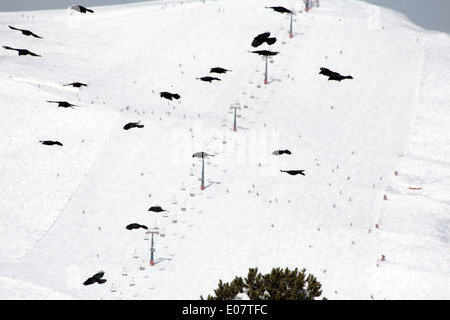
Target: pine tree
x=279, y=284
x=254, y=285
x=226, y=291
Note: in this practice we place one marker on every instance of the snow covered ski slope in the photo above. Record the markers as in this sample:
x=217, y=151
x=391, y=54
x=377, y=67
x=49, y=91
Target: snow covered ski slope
x=370, y=218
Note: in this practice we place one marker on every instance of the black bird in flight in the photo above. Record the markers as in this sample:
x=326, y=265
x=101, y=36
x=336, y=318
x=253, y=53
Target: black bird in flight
x=22, y=52
x=265, y=52
x=279, y=152
x=263, y=38
x=50, y=143
x=133, y=125
x=156, y=209
x=26, y=32
x=218, y=70
x=82, y=9
x=208, y=79
x=338, y=77
x=63, y=104
x=280, y=9
x=96, y=278
x=294, y=172
x=201, y=154
x=76, y=84
x=169, y=96
x=333, y=75
x=136, y=226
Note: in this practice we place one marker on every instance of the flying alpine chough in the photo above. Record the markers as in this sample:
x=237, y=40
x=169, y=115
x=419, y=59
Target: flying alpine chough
x=26, y=32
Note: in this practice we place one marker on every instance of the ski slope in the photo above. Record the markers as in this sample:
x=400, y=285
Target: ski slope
x=64, y=209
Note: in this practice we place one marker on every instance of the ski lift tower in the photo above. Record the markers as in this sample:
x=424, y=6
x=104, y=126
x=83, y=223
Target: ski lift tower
x=284, y=10
x=266, y=54
x=202, y=155
x=290, y=27
x=266, y=81
x=234, y=123
x=152, y=249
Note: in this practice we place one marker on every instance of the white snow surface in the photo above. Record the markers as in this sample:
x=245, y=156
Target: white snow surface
x=385, y=132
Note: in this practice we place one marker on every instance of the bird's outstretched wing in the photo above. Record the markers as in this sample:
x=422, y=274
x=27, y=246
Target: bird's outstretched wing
x=260, y=39
x=136, y=226
x=76, y=84
x=201, y=154
x=169, y=95
x=89, y=10
x=63, y=104
x=89, y=281
x=33, y=54
x=35, y=35
x=209, y=79
x=166, y=95
x=263, y=35
x=50, y=143
x=133, y=125
x=84, y=9
x=325, y=71
x=338, y=77
x=96, y=278
x=294, y=172
x=265, y=52
x=9, y=48
x=25, y=32
x=156, y=209
x=218, y=70
x=278, y=152
x=271, y=41
x=280, y=9
x=99, y=274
